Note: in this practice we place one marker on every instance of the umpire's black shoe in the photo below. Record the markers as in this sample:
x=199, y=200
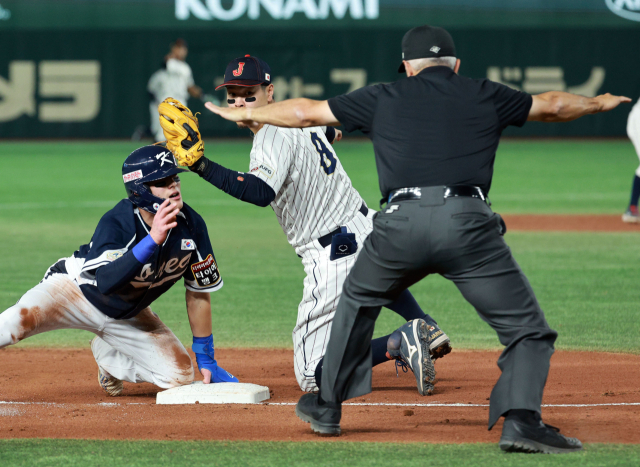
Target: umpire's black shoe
x=529, y=434
x=324, y=419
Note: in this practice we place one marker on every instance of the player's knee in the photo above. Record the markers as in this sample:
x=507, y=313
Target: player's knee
x=16, y=323
x=176, y=377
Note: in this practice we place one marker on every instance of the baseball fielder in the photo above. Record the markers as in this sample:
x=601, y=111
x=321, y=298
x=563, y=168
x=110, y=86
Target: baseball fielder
x=174, y=79
x=297, y=172
x=140, y=248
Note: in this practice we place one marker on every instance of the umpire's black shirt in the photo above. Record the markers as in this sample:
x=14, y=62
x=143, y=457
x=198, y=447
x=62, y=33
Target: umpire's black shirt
x=436, y=128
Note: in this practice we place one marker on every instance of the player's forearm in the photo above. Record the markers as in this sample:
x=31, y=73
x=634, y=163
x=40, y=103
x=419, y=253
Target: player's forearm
x=195, y=91
x=115, y=275
x=199, y=312
x=240, y=185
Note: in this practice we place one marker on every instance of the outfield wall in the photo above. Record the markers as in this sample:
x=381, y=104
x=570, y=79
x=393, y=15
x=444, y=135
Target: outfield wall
x=67, y=78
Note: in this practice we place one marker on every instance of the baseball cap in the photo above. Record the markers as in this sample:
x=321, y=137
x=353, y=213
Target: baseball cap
x=426, y=42
x=246, y=71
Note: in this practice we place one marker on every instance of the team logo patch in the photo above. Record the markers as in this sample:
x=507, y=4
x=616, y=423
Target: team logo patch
x=206, y=272
x=435, y=49
x=188, y=244
x=114, y=255
x=132, y=176
x=266, y=170
x=238, y=72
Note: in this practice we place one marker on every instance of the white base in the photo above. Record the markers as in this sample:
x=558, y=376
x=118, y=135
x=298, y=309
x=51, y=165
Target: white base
x=218, y=393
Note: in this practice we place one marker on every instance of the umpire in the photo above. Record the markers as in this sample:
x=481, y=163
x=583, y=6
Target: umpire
x=435, y=136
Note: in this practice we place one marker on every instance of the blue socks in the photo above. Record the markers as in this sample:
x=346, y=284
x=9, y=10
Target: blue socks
x=378, y=356
x=407, y=307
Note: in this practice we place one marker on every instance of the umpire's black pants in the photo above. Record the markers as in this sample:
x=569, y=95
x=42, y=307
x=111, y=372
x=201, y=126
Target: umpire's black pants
x=459, y=238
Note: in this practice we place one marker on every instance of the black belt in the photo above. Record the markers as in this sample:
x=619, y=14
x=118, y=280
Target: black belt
x=412, y=193
x=325, y=240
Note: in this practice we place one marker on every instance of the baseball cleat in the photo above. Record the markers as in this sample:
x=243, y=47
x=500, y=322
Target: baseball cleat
x=112, y=386
x=409, y=344
x=519, y=436
x=439, y=342
x=324, y=419
x=631, y=215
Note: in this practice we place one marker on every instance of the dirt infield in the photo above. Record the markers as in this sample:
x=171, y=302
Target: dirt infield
x=54, y=393
x=568, y=223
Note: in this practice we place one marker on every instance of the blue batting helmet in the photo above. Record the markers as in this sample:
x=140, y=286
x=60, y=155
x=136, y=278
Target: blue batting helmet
x=144, y=165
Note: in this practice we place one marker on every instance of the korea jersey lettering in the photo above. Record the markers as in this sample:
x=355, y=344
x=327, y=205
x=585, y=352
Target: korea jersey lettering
x=314, y=195
x=186, y=253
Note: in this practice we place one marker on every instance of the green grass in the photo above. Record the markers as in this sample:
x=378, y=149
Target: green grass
x=82, y=453
x=55, y=193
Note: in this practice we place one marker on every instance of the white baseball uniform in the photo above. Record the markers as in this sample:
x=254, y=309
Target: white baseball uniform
x=314, y=197
x=633, y=129
x=172, y=81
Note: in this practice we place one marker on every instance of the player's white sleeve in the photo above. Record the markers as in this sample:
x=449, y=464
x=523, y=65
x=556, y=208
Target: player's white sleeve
x=271, y=156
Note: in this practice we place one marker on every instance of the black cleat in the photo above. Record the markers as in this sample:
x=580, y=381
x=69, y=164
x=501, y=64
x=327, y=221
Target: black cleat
x=535, y=436
x=409, y=345
x=324, y=419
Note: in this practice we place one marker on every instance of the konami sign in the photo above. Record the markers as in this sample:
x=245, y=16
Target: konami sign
x=629, y=9
x=277, y=9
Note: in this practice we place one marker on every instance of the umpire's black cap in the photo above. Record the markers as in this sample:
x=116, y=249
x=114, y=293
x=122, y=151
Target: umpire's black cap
x=246, y=71
x=426, y=42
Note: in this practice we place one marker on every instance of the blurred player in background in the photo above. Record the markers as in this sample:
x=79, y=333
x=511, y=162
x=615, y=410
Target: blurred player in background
x=174, y=79
x=633, y=130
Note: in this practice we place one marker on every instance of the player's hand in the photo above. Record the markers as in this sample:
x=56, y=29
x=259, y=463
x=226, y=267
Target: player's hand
x=233, y=114
x=609, y=102
x=212, y=373
x=338, y=136
x=206, y=375
x=163, y=221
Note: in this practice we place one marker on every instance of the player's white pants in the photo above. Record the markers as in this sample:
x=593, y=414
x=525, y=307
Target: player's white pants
x=322, y=290
x=135, y=350
x=633, y=130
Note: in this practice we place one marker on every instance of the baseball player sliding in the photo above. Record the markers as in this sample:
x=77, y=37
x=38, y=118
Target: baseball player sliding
x=297, y=172
x=140, y=248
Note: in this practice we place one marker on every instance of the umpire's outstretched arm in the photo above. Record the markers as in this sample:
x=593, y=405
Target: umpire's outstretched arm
x=292, y=113
x=552, y=106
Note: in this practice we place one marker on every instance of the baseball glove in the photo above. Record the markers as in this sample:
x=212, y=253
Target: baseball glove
x=180, y=127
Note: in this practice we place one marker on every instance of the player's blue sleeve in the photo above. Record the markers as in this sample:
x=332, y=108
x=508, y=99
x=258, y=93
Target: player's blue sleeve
x=246, y=187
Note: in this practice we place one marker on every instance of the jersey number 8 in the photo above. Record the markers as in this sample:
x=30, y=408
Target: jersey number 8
x=327, y=158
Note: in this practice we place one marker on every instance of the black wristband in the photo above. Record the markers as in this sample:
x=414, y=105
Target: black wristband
x=202, y=167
